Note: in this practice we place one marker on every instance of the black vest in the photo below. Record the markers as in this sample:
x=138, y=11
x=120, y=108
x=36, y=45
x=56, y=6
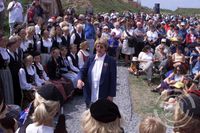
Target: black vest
x=66, y=42
x=32, y=47
x=39, y=72
x=43, y=49
x=14, y=64
x=78, y=40
x=55, y=43
x=29, y=78
x=74, y=60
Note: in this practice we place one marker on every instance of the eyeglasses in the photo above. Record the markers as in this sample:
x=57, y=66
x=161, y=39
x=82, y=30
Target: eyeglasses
x=100, y=46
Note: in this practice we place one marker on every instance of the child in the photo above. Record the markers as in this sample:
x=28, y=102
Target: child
x=151, y=125
x=73, y=58
x=134, y=66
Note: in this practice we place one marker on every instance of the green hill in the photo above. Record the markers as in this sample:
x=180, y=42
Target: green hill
x=100, y=5
x=188, y=11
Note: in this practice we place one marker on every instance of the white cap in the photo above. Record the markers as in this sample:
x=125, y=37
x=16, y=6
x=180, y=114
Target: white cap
x=105, y=27
x=163, y=40
x=134, y=59
x=50, y=20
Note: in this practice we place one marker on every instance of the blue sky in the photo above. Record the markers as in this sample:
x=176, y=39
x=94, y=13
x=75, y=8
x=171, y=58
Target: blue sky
x=172, y=4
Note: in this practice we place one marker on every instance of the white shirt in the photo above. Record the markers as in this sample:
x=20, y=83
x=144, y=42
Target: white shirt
x=37, y=30
x=16, y=13
x=152, y=36
x=105, y=35
x=2, y=7
x=11, y=53
x=118, y=32
x=80, y=57
x=24, y=46
x=22, y=78
x=4, y=53
x=147, y=57
x=58, y=39
x=96, y=75
x=33, y=128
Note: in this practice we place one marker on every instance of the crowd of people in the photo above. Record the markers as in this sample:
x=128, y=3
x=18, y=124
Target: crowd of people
x=48, y=60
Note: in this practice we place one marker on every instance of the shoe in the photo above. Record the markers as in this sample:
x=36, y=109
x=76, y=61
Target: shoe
x=154, y=90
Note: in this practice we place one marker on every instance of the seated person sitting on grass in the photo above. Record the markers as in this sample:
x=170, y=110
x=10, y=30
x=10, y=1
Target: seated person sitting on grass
x=175, y=76
x=133, y=69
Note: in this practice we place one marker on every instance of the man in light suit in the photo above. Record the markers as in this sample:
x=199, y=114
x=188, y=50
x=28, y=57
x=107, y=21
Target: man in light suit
x=98, y=75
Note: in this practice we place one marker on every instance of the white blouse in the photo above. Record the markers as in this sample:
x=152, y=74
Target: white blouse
x=4, y=54
x=24, y=46
x=22, y=78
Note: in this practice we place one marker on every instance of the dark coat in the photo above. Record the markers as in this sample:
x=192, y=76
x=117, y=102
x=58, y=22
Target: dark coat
x=107, y=86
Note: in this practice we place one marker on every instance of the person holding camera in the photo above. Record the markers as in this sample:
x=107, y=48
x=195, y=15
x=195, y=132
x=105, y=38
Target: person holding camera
x=128, y=46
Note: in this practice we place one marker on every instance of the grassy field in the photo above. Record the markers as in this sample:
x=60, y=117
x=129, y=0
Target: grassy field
x=145, y=102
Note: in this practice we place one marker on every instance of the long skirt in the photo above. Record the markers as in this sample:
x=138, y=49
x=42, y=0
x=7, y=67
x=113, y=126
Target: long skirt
x=7, y=84
x=71, y=76
x=65, y=88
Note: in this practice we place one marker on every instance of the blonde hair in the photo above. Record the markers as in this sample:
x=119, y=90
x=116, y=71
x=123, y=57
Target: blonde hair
x=63, y=24
x=83, y=44
x=30, y=29
x=90, y=125
x=185, y=124
x=52, y=32
x=45, y=110
x=151, y=125
x=65, y=28
x=102, y=41
x=27, y=58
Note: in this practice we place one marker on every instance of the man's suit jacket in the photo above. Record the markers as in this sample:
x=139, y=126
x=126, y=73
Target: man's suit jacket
x=107, y=86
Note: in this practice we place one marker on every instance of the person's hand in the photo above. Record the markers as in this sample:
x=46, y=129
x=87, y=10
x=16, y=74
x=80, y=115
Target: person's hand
x=80, y=84
x=33, y=88
x=110, y=98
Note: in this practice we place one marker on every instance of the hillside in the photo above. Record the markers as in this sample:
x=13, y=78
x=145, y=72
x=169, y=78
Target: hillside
x=188, y=11
x=99, y=5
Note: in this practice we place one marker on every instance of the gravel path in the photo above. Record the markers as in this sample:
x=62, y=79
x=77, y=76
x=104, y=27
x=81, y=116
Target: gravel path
x=76, y=106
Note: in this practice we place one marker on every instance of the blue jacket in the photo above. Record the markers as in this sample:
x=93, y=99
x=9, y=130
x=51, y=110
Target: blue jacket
x=89, y=31
x=108, y=78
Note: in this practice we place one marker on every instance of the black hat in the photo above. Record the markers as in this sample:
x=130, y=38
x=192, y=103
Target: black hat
x=190, y=105
x=36, y=53
x=104, y=111
x=50, y=92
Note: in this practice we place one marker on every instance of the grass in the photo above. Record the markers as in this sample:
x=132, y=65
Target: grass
x=146, y=103
x=108, y=5
x=100, y=6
